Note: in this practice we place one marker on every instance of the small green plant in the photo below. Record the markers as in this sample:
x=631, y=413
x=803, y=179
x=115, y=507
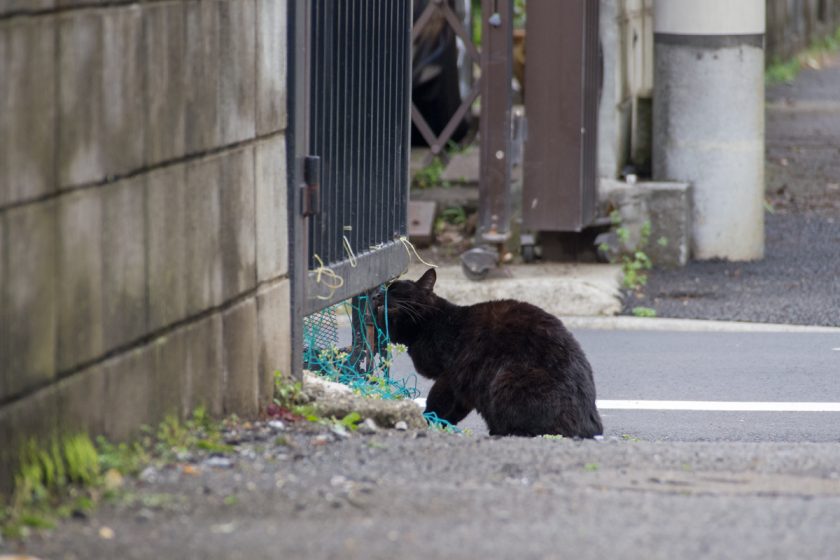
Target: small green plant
x=392, y=351
x=786, y=70
x=644, y=312
x=65, y=469
x=455, y=215
x=782, y=71
x=635, y=262
x=289, y=397
x=590, y=467
x=430, y=175
x=199, y=432
x=351, y=421
x=287, y=393
x=628, y=437
x=72, y=474
x=126, y=458
x=231, y=500
x=520, y=14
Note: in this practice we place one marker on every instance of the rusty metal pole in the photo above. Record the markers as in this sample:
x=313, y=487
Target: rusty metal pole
x=495, y=128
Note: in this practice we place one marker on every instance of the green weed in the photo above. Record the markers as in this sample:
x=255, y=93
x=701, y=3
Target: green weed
x=231, y=500
x=429, y=176
x=48, y=476
x=351, y=421
x=635, y=262
x=200, y=432
x=644, y=312
x=71, y=474
x=785, y=71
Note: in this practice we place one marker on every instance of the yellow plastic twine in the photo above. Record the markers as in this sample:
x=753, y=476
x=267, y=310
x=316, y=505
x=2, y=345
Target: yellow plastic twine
x=348, y=248
x=409, y=247
x=328, y=278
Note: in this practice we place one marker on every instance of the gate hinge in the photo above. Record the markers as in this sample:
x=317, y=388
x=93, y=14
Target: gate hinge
x=311, y=189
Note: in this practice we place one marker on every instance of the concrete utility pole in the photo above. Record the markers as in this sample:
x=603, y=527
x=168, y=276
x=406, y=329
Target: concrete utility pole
x=708, y=118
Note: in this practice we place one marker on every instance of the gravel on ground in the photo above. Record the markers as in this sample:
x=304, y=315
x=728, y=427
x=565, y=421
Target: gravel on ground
x=798, y=281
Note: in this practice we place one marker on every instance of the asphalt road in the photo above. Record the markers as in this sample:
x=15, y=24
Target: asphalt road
x=709, y=366
x=768, y=486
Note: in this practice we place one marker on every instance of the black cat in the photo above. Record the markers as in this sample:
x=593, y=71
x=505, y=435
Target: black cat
x=513, y=362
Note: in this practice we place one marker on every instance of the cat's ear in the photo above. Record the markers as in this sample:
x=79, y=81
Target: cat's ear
x=427, y=281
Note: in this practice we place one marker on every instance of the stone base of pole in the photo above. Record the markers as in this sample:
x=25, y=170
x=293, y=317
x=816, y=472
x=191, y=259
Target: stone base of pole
x=709, y=119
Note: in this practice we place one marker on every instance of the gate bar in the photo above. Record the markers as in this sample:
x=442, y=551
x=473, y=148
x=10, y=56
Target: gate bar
x=495, y=121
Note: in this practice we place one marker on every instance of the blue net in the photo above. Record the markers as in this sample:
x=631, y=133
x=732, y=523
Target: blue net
x=440, y=424
x=365, y=365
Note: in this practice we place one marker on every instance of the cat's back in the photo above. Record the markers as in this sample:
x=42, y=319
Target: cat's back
x=509, y=320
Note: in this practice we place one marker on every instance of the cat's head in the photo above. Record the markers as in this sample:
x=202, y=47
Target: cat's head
x=409, y=305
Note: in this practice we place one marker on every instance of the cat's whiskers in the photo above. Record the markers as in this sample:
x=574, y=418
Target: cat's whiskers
x=408, y=310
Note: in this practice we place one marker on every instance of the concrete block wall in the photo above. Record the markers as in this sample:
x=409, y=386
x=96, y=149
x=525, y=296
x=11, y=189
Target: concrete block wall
x=143, y=227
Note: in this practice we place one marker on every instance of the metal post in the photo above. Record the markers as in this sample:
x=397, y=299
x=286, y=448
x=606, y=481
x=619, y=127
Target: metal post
x=495, y=121
x=297, y=148
x=495, y=129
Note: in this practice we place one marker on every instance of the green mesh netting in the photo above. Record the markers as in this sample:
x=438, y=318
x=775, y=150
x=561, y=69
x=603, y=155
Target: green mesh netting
x=365, y=364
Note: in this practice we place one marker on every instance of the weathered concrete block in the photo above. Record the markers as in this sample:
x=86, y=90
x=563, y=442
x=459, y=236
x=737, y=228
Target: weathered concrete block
x=274, y=315
x=81, y=135
x=165, y=50
x=29, y=298
x=124, y=261
x=202, y=76
x=81, y=402
x=4, y=319
x=271, y=66
x=238, y=239
x=27, y=109
x=666, y=206
x=239, y=327
x=30, y=417
x=205, y=364
x=25, y=6
x=169, y=376
x=100, y=103
x=80, y=3
x=631, y=203
x=669, y=205
x=122, y=88
x=237, y=70
x=272, y=229
x=203, y=249
x=129, y=392
x=80, y=333
x=166, y=246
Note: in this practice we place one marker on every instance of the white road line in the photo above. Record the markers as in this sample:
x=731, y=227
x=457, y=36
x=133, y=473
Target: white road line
x=731, y=406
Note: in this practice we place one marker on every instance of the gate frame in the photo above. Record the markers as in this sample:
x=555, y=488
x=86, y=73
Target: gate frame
x=367, y=269
x=297, y=142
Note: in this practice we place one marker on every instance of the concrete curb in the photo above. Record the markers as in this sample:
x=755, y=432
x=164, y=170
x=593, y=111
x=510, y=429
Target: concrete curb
x=623, y=323
x=560, y=289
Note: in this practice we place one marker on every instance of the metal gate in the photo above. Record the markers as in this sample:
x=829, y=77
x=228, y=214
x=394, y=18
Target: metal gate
x=350, y=87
